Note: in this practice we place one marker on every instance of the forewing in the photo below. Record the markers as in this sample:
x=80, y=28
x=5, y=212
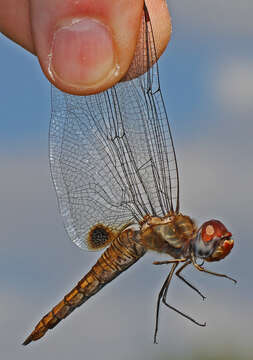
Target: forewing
x=111, y=154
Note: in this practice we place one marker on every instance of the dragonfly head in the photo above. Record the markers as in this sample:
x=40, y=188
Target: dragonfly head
x=213, y=241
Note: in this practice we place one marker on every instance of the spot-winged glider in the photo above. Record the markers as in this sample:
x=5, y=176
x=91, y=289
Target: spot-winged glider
x=115, y=172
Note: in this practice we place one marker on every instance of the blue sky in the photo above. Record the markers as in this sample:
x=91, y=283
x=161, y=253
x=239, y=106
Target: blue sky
x=207, y=80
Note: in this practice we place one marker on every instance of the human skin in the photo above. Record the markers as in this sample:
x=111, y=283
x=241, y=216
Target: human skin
x=83, y=46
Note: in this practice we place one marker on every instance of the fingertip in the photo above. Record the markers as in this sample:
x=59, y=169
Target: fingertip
x=85, y=47
x=161, y=33
x=161, y=24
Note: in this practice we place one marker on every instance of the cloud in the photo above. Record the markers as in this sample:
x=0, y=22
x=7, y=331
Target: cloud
x=233, y=85
x=231, y=17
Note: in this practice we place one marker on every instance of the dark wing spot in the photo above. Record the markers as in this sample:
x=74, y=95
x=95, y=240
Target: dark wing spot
x=100, y=236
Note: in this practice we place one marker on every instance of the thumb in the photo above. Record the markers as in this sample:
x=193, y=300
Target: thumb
x=85, y=46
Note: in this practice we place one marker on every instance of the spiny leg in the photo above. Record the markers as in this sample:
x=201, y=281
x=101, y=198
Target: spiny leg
x=160, y=295
x=178, y=311
x=200, y=268
x=168, y=262
x=187, y=282
x=178, y=272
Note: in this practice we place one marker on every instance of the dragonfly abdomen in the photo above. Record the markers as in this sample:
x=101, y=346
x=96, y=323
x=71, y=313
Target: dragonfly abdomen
x=123, y=252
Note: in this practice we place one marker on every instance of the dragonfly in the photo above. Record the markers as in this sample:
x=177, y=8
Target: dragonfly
x=115, y=172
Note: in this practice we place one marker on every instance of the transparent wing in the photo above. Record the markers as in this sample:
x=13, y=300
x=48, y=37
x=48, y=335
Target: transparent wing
x=111, y=154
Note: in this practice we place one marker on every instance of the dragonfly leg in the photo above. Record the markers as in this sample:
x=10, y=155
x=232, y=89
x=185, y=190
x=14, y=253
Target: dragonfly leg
x=169, y=261
x=187, y=282
x=163, y=293
x=160, y=296
x=200, y=268
x=180, y=312
x=165, y=290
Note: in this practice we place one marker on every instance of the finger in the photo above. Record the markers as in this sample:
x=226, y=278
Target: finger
x=161, y=23
x=85, y=46
x=77, y=72
x=15, y=22
x=162, y=29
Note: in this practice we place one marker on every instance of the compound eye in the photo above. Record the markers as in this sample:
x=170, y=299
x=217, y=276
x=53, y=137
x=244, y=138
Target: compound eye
x=213, y=228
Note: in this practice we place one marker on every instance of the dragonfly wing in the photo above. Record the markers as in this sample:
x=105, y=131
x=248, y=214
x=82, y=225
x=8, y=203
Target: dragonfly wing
x=111, y=154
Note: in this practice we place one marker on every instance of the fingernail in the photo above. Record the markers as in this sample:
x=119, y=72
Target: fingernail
x=82, y=53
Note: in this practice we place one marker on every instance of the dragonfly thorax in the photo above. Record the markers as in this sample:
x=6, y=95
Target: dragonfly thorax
x=171, y=234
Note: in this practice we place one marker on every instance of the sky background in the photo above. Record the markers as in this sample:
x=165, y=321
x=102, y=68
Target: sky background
x=207, y=81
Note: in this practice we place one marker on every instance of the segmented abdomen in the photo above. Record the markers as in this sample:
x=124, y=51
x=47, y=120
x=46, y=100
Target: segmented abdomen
x=121, y=254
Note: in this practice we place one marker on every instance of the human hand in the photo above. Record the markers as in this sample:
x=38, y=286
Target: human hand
x=83, y=46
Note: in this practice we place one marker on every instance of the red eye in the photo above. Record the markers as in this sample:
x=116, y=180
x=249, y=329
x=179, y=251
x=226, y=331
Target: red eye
x=213, y=228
